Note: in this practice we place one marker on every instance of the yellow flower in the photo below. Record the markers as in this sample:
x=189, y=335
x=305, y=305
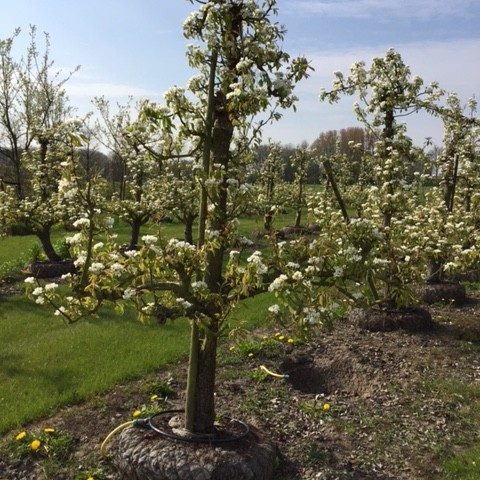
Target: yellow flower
x=35, y=445
x=136, y=413
x=153, y=398
x=232, y=348
x=281, y=337
x=277, y=334
x=291, y=340
x=48, y=430
x=21, y=436
x=90, y=478
x=250, y=354
x=326, y=407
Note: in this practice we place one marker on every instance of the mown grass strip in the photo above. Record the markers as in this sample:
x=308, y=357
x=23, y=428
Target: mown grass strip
x=45, y=364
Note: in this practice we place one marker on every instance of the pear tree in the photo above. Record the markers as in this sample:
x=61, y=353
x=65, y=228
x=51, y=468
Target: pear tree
x=242, y=72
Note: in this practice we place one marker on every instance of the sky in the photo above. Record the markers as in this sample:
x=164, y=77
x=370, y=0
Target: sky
x=136, y=47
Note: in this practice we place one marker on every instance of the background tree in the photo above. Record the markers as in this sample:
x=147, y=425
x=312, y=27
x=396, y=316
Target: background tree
x=31, y=100
x=34, y=115
x=38, y=209
x=137, y=153
x=387, y=92
x=180, y=194
x=272, y=194
x=301, y=160
x=446, y=227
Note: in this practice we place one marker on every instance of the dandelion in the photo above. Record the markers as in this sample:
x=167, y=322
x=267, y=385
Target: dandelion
x=326, y=407
x=49, y=430
x=153, y=398
x=21, y=436
x=232, y=348
x=291, y=340
x=281, y=337
x=136, y=413
x=250, y=355
x=35, y=445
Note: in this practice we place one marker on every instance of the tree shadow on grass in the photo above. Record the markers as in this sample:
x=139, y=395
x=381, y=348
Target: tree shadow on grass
x=58, y=378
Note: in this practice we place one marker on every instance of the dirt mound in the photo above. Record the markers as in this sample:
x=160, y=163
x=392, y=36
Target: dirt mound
x=451, y=292
x=409, y=319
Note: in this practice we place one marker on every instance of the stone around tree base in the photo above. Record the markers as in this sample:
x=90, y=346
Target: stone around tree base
x=467, y=276
x=50, y=269
x=443, y=292
x=376, y=320
x=141, y=454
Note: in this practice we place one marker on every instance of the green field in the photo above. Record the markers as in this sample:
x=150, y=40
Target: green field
x=45, y=364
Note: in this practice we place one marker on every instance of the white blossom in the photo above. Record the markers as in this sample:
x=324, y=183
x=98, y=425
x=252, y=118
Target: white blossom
x=275, y=309
x=49, y=287
x=96, y=267
x=128, y=293
x=149, y=239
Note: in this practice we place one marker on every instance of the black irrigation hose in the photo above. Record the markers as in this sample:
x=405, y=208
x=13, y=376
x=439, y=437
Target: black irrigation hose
x=196, y=438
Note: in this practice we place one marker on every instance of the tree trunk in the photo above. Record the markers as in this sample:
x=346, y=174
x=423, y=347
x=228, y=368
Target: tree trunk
x=388, y=134
x=188, y=231
x=135, y=233
x=204, y=404
x=435, y=271
x=268, y=217
x=46, y=241
x=338, y=196
x=195, y=422
x=298, y=216
x=268, y=221
x=221, y=138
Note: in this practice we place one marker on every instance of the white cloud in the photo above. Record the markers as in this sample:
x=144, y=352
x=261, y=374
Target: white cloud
x=384, y=10
x=452, y=63
x=111, y=90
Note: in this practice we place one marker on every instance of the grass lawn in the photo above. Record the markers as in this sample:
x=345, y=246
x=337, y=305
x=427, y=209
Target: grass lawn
x=45, y=364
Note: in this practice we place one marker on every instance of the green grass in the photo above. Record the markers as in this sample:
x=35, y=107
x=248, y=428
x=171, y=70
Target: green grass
x=464, y=467
x=45, y=364
x=16, y=251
